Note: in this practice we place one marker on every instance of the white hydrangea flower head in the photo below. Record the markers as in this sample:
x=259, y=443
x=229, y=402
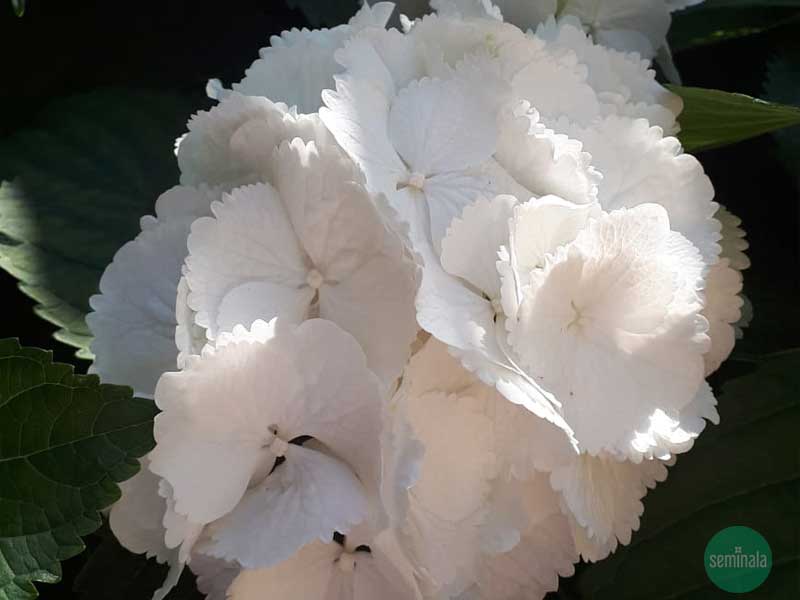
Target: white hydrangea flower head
x=231, y=144
x=313, y=245
x=222, y=432
x=133, y=319
x=361, y=567
x=517, y=196
x=300, y=63
x=640, y=165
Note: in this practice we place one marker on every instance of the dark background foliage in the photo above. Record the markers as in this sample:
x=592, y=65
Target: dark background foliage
x=60, y=49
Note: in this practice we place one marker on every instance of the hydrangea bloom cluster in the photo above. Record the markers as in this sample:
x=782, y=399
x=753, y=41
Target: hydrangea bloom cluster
x=428, y=314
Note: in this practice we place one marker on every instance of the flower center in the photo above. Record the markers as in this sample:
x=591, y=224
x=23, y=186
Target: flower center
x=577, y=319
x=415, y=180
x=277, y=445
x=497, y=306
x=314, y=279
x=346, y=562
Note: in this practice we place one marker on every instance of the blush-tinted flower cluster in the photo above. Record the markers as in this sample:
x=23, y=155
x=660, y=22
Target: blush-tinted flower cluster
x=428, y=314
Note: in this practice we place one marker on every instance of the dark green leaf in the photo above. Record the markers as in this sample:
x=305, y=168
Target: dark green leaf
x=746, y=471
x=328, y=14
x=18, y=6
x=712, y=118
x=783, y=85
x=66, y=441
x=75, y=188
x=719, y=20
x=113, y=572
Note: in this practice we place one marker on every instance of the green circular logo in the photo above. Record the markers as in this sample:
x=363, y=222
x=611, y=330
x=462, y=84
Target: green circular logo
x=738, y=559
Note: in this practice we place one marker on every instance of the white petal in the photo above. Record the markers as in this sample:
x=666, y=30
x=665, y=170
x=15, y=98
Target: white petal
x=456, y=315
x=294, y=74
x=333, y=216
x=544, y=162
x=604, y=494
x=633, y=25
x=376, y=305
x=379, y=577
x=357, y=115
x=450, y=311
x=173, y=576
x=544, y=552
x=341, y=398
x=439, y=126
x=446, y=503
x=670, y=434
x=469, y=250
x=541, y=225
x=624, y=81
x=206, y=155
x=133, y=318
x=189, y=337
x=136, y=518
x=555, y=85
x=307, y=498
x=447, y=196
x=246, y=257
x=527, y=443
x=733, y=240
x=306, y=575
x=254, y=300
x=214, y=576
x=386, y=58
x=180, y=532
x=723, y=308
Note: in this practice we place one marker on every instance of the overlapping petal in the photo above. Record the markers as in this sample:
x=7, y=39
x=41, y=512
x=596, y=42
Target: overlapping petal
x=134, y=316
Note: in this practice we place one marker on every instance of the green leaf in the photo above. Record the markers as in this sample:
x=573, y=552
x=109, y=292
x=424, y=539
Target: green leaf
x=76, y=186
x=113, y=572
x=719, y=20
x=713, y=118
x=328, y=14
x=66, y=441
x=743, y=472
